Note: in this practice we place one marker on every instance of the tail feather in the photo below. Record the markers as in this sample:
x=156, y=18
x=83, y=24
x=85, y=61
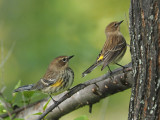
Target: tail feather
x=90, y=69
x=24, y=88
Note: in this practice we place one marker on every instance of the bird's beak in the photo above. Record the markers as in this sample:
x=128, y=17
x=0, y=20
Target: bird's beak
x=70, y=57
x=120, y=22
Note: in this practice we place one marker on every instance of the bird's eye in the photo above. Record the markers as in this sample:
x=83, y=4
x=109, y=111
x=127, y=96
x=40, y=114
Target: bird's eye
x=64, y=60
x=115, y=24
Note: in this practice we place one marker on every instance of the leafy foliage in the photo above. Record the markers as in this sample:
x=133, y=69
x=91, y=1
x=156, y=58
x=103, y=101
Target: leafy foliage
x=45, y=106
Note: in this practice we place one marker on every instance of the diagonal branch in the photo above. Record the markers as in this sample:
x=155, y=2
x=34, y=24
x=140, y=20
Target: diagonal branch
x=87, y=93
x=91, y=92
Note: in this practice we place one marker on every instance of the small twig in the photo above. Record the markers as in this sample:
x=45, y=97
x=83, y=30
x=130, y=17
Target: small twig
x=127, y=21
x=2, y=59
x=5, y=105
x=20, y=109
x=2, y=90
x=8, y=54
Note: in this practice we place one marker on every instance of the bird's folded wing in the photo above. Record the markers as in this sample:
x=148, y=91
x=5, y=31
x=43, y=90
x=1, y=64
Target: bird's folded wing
x=42, y=83
x=114, y=53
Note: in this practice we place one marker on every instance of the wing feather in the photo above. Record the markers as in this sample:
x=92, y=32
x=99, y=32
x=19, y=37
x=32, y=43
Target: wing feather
x=114, y=49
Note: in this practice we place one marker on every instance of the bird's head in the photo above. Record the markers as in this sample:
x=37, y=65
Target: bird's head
x=60, y=63
x=113, y=26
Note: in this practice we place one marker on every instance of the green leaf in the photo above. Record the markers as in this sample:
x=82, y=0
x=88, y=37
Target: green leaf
x=36, y=94
x=39, y=113
x=15, y=94
x=45, y=106
x=84, y=117
x=18, y=84
x=28, y=94
x=25, y=101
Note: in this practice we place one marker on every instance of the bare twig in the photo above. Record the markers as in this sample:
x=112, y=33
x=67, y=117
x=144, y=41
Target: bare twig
x=6, y=105
x=3, y=61
x=21, y=109
x=127, y=21
x=8, y=54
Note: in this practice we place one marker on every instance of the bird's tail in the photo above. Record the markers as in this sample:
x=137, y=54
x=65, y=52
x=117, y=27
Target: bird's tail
x=90, y=68
x=24, y=88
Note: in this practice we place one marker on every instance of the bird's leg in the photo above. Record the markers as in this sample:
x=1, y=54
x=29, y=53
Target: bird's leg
x=110, y=72
x=55, y=102
x=52, y=99
x=121, y=66
x=109, y=69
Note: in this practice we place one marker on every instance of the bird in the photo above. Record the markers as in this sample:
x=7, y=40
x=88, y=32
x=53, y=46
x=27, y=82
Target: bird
x=113, y=50
x=58, y=78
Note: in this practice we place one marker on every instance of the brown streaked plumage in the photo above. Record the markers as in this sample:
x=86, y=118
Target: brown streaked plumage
x=57, y=78
x=113, y=50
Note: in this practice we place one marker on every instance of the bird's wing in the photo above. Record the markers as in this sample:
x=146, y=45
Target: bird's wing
x=42, y=83
x=48, y=79
x=114, y=50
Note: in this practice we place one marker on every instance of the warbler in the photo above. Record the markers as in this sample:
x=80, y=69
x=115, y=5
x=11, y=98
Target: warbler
x=113, y=50
x=58, y=77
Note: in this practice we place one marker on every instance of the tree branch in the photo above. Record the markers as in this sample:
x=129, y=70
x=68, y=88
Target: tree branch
x=87, y=93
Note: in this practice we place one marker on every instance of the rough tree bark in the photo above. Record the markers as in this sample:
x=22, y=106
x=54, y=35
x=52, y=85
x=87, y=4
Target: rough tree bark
x=145, y=51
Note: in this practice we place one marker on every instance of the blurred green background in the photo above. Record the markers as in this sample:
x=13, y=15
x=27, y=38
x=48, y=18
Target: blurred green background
x=45, y=29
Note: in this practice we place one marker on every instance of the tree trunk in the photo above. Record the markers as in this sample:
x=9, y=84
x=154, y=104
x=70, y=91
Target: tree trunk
x=145, y=51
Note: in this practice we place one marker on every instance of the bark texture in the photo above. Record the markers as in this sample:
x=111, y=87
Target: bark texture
x=145, y=51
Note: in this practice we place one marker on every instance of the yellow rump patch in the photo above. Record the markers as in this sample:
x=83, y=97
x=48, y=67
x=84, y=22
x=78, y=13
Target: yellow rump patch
x=100, y=58
x=58, y=83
